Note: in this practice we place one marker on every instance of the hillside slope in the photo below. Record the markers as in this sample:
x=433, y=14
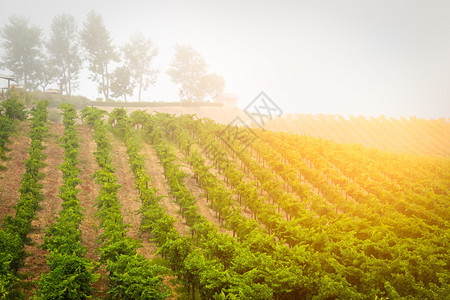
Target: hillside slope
x=406, y=135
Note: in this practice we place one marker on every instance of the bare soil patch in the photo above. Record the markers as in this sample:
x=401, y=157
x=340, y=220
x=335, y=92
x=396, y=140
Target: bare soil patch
x=204, y=208
x=36, y=262
x=12, y=176
x=129, y=197
x=89, y=190
x=156, y=173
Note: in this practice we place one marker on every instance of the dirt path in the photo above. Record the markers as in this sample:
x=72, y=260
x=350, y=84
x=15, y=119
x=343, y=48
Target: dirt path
x=204, y=208
x=89, y=190
x=156, y=173
x=248, y=178
x=129, y=196
x=313, y=188
x=36, y=263
x=11, y=178
x=246, y=212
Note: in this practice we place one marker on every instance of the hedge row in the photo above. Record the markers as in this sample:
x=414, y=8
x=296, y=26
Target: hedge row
x=131, y=276
x=13, y=234
x=70, y=275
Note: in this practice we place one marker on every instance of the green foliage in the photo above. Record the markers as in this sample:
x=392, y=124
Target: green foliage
x=91, y=115
x=15, y=229
x=119, y=121
x=10, y=260
x=212, y=269
x=124, y=246
x=70, y=277
x=14, y=109
x=225, y=296
x=321, y=243
x=10, y=110
x=138, y=118
x=6, y=127
x=132, y=277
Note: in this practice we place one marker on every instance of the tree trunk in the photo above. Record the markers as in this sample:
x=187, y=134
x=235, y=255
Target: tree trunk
x=69, y=87
x=140, y=88
x=106, y=84
x=103, y=86
x=25, y=80
x=66, y=82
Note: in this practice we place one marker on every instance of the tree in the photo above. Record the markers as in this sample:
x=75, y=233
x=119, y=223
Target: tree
x=210, y=85
x=139, y=53
x=121, y=84
x=186, y=69
x=99, y=51
x=64, y=51
x=45, y=72
x=22, y=45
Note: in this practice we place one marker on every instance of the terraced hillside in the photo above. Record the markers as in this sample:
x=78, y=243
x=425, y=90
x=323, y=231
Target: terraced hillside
x=157, y=206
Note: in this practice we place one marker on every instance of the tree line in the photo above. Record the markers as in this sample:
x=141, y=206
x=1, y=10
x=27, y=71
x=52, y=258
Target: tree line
x=37, y=62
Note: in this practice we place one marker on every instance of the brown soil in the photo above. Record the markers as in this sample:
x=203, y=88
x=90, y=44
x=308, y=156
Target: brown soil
x=204, y=207
x=12, y=176
x=129, y=197
x=287, y=187
x=36, y=263
x=156, y=173
x=245, y=211
x=89, y=190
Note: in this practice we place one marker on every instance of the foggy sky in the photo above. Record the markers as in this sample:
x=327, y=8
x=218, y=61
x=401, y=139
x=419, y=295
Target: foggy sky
x=340, y=57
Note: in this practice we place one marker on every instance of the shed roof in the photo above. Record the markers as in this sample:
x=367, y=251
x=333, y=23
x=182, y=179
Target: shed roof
x=8, y=77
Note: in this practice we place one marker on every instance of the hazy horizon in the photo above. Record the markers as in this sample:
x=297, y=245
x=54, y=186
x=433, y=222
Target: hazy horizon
x=331, y=57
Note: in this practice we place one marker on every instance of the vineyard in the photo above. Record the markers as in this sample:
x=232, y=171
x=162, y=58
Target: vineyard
x=156, y=206
x=405, y=135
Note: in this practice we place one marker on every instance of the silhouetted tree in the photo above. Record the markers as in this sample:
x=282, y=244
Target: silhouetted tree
x=210, y=85
x=186, y=69
x=121, y=84
x=138, y=55
x=22, y=45
x=45, y=72
x=99, y=51
x=64, y=51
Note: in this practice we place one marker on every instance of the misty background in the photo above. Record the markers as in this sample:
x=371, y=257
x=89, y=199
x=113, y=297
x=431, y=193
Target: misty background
x=337, y=57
